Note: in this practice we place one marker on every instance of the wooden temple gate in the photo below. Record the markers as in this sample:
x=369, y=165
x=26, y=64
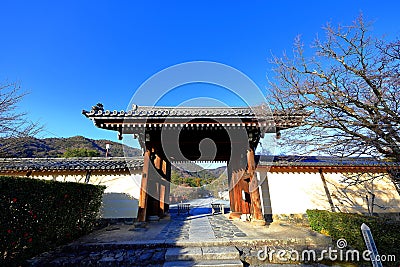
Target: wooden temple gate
x=168, y=134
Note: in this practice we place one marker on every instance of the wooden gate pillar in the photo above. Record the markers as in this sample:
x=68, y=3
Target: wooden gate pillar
x=155, y=186
x=142, y=212
x=165, y=179
x=239, y=193
x=167, y=172
x=231, y=184
x=256, y=210
x=243, y=191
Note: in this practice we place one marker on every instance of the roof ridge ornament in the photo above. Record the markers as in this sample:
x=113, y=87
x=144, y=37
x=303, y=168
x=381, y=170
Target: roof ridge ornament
x=98, y=106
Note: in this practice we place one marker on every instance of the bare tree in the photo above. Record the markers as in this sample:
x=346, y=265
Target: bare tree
x=14, y=123
x=350, y=86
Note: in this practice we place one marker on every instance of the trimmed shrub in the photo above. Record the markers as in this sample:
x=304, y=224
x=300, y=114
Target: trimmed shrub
x=37, y=215
x=347, y=225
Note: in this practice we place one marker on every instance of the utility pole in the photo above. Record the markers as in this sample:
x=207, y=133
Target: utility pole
x=107, y=148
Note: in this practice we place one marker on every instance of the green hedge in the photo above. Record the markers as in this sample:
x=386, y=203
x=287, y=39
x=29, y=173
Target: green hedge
x=347, y=225
x=37, y=215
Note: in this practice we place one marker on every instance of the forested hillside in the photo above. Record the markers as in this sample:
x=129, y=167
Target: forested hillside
x=30, y=147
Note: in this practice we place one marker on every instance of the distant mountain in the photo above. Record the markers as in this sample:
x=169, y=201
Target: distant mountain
x=217, y=172
x=199, y=172
x=30, y=147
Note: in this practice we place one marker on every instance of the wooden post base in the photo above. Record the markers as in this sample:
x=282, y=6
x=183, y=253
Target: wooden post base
x=234, y=215
x=258, y=222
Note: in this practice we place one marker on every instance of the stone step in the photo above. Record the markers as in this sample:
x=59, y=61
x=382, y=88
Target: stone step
x=198, y=253
x=184, y=254
x=205, y=263
x=297, y=265
x=117, y=258
x=220, y=253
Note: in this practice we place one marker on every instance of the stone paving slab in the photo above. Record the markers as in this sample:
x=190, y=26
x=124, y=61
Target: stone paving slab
x=224, y=228
x=183, y=254
x=177, y=228
x=201, y=228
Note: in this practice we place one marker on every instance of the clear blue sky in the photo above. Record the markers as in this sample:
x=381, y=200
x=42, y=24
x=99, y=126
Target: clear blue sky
x=72, y=54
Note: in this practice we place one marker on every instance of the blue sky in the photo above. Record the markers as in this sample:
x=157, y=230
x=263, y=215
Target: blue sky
x=72, y=54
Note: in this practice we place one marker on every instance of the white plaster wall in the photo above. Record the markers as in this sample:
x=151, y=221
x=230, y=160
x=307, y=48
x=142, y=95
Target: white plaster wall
x=128, y=184
x=352, y=198
x=119, y=205
x=293, y=193
x=115, y=183
x=120, y=199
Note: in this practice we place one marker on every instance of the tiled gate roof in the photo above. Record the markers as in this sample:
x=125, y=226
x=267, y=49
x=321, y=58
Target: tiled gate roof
x=65, y=164
x=124, y=164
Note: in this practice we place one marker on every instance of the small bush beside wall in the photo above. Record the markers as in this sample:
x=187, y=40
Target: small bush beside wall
x=347, y=225
x=37, y=215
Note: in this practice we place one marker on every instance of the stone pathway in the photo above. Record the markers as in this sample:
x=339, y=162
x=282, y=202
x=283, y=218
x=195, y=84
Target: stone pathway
x=177, y=228
x=205, y=226
x=149, y=244
x=201, y=228
x=224, y=228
